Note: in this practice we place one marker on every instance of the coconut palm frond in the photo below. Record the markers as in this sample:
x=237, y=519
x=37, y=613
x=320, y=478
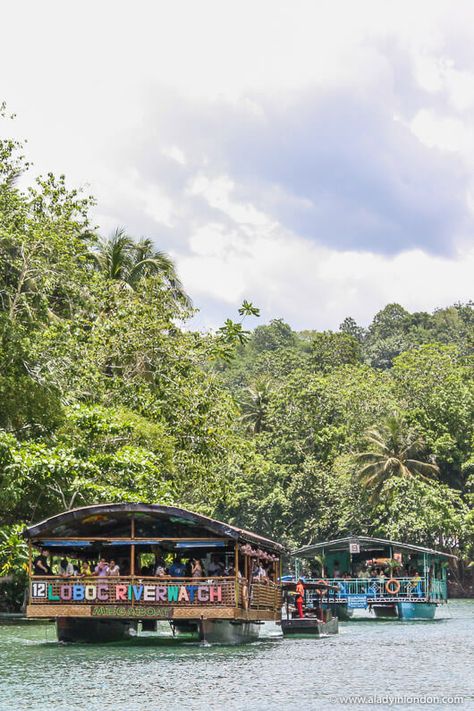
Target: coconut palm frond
x=127, y=261
x=254, y=404
x=368, y=457
x=370, y=473
x=393, y=453
x=412, y=448
x=423, y=469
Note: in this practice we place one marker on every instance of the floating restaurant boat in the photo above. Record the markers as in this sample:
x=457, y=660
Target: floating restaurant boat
x=318, y=619
x=220, y=607
x=354, y=567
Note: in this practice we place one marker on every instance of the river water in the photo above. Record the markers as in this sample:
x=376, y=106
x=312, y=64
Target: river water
x=416, y=660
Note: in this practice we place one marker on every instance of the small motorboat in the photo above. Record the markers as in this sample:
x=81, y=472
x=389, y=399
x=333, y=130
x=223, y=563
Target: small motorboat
x=318, y=620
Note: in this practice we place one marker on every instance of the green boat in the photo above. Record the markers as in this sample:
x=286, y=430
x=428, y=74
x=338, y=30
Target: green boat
x=390, y=579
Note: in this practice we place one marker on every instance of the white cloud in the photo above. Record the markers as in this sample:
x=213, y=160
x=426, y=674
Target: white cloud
x=217, y=192
x=175, y=153
x=289, y=277
x=313, y=287
x=296, y=213
x=447, y=133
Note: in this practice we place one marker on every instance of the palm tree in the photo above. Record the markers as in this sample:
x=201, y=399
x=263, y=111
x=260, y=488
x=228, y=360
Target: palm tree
x=123, y=259
x=148, y=261
x=254, y=405
x=113, y=258
x=393, y=453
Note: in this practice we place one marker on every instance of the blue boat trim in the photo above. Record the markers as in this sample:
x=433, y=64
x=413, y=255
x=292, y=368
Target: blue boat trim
x=416, y=610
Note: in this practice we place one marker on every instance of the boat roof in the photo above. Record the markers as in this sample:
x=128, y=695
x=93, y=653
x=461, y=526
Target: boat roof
x=151, y=520
x=366, y=543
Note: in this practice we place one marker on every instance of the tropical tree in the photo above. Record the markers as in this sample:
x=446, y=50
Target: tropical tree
x=148, y=261
x=329, y=350
x=122, y=258
x=13, y=567
x=254, y=403
x=393, y=454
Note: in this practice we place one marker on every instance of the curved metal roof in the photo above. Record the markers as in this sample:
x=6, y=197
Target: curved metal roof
x=74, y=519
x=365, y=543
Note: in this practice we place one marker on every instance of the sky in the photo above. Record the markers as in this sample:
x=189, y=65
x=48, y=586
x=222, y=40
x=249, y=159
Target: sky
x=315, y=158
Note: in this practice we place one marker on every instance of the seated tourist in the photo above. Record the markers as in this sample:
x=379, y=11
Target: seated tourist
x=160, y=570
x=113, y=569
x=215, y=567
x=101, y=568
x=337, y=572
x=178, y=568
x=259, y=573
x=85, y=571
x=65, y=569
x=40, y=564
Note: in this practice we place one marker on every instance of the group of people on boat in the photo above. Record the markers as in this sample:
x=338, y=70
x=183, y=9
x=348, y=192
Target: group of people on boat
x=375, y=571
x=162, y=567
x=65, y=568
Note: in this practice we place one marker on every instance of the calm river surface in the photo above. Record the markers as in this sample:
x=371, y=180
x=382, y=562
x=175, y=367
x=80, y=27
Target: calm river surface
x=367, y=657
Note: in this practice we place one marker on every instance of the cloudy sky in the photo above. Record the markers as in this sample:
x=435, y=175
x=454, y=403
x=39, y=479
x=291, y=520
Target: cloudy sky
x=314, y=157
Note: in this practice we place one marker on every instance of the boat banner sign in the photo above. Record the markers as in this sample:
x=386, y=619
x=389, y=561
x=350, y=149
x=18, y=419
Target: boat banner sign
x=357, y=602
x=127, y=593
x=130, y=612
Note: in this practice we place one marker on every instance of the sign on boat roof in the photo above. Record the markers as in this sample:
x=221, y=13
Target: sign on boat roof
x=364, y=543
x=150, y=520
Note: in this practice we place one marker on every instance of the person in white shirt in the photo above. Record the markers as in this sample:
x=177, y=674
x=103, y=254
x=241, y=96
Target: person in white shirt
x=113, y=569
x=160, y=570
x=66, y=569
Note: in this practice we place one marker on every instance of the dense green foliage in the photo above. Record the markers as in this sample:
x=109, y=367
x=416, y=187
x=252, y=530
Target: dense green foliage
x=106, y=396
x=323, y=425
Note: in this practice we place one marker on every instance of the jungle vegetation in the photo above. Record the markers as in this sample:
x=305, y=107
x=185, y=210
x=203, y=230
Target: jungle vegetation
x=108, y=394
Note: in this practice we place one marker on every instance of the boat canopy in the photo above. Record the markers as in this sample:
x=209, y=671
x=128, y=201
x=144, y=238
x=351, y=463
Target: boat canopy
x=151, y=524
x=365, y=544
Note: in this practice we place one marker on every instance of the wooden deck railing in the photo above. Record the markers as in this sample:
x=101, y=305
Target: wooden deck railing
x=132, y=590
x=166, y=591
x=265, y=596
